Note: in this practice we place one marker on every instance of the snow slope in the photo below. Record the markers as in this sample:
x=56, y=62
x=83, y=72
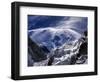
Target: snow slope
x=53, y=37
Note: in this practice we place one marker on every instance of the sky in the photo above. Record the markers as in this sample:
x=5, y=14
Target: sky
x=78, y=24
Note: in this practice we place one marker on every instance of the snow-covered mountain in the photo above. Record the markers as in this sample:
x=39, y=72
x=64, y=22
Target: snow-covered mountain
x=53, y=38
x=61, y=45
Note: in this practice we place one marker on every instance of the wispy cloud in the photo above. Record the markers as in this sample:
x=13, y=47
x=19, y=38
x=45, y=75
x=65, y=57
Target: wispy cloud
x=64, y=22
x=77, y=23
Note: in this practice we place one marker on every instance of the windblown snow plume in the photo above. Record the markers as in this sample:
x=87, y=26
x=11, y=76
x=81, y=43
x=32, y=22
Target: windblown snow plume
x=57, y=40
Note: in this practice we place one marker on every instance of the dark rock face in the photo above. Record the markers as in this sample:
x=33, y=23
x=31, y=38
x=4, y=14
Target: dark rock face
x=30, y=60
x=35, y=51
x=83, y=51
x=45, y=49
x=85, y=33
x=50, y=60
x=73, y=59
x=83, y=48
